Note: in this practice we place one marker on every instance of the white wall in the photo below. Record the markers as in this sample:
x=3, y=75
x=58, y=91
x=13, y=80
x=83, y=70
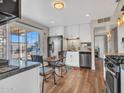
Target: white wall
x=113, y=42
x=44, y=42
x=100, y=43
x=120, y=35
x=85, y=33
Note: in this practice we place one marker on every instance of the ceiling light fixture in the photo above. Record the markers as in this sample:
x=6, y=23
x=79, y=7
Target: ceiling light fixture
x=120, y=20
x=58, y=4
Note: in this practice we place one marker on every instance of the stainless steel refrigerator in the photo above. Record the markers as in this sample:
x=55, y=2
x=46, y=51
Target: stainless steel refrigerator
x=55, y=45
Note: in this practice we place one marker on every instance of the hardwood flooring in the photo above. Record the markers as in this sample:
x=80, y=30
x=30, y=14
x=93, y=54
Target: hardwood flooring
x=78, y=81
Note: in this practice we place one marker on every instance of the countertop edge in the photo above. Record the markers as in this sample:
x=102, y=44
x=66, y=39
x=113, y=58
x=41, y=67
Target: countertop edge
x=17, y=71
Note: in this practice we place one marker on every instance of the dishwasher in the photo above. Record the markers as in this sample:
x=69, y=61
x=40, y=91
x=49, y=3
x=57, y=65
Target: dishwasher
x=85, y=59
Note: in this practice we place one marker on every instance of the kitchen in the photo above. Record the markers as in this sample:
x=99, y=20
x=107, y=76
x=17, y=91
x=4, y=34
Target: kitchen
x=87, y=47
x=74, y=42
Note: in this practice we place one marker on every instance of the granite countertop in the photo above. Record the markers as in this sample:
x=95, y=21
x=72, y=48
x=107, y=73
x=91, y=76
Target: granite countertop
x=114, y=54
x=19, y=66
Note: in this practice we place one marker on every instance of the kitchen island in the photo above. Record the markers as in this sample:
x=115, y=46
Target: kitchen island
x=20, y=77
x=72, y=59
x=75, y=59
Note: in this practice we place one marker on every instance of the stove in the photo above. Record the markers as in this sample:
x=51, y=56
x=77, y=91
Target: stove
x=114, y=73
x=116, y=59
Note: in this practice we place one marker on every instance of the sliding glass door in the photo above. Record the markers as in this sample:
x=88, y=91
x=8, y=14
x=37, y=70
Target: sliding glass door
x=33, y=44
x=24, y=43
x=3, y=44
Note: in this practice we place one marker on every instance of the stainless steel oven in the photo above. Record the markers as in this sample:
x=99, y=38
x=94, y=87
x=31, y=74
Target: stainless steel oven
x=112, y=77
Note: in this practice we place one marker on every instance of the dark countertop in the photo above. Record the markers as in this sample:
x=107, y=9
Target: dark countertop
x=89, y=52
x=19, y=67
x=114, y=54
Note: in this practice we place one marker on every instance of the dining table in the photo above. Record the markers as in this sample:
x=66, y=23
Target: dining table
x=53, y=61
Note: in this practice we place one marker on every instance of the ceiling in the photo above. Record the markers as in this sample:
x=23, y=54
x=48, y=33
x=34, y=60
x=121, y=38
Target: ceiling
x=74, y=12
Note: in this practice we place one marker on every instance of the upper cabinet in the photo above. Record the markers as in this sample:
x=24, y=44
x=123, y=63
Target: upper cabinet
x=72, y=31
x=85, y=33
x=82, y=31
x=55, y=31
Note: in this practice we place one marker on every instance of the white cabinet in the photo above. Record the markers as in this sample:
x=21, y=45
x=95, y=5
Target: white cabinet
x=25, y=82
x=82, y=31
x=72, y=31
x=72, y=59
x=55, y=31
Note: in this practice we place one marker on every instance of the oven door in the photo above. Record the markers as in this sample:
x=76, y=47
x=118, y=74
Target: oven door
x=111, y=82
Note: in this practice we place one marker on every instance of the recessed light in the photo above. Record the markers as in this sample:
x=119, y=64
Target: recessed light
x=52, y=22
x=87, y=15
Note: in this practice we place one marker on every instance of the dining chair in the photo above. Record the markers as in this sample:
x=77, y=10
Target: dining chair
x=45, y=71
x=61, y=63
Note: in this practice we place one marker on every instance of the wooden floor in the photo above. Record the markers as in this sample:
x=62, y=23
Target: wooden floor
x=78, y=81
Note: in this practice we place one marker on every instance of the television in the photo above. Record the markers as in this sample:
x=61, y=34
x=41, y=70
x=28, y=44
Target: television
x=9, y=9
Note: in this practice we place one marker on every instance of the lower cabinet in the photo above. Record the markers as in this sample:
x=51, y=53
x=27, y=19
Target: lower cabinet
x=72, y=59
x=25, y=82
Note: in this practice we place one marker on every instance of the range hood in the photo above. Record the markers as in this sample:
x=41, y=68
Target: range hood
x=4, y=17
x=9, y=10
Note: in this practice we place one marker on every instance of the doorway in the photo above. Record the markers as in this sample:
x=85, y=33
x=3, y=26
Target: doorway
x=100, y=45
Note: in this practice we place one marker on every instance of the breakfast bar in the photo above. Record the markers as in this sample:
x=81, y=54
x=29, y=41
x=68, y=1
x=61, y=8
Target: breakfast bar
x=20, y=77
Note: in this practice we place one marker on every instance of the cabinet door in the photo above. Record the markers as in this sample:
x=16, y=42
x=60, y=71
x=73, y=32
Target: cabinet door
x=68, y=33
x=72, y=31
x=25, y=82
x=75, y=59
x=68, y=59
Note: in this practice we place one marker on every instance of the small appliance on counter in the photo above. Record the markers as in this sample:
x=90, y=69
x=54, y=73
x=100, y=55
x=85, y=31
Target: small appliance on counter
x=114, y=66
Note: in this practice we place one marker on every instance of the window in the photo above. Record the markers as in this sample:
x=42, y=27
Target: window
x=3, y=38
x=33, y=44
x=24, y=43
